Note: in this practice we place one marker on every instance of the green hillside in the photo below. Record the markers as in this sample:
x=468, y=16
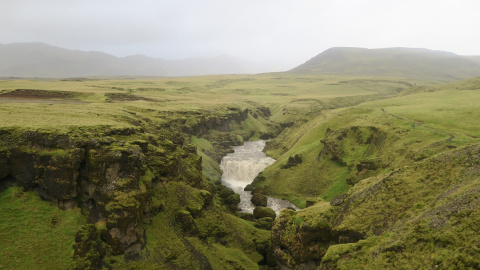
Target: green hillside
x=400, y=176
x=421, y=64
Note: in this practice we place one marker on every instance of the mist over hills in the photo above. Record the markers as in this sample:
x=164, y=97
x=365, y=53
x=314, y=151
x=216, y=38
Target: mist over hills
x=411, y=63
x=45, y=61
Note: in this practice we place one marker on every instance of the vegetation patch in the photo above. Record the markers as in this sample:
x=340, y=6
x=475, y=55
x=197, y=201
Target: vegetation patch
x=34, y=233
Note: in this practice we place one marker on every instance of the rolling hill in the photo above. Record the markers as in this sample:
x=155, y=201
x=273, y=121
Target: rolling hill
x=411, y=63
x=45, y=61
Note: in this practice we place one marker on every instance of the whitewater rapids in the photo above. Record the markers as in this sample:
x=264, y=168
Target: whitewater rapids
x=241, y=167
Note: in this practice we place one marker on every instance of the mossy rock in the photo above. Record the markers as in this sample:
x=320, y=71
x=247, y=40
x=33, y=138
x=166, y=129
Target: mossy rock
x=86, y=253
x=246, y=216
x=335, y=251
x=293, y=161
x=262, y=212
x=185, y=222
x=233, y=199
x=248, y=187
x=207, y=197
x=198, y=201
x=265, y=223
x=225, y=192
x=259, y=200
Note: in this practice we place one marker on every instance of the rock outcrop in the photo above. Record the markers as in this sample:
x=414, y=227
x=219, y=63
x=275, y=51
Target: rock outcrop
x=112, y=173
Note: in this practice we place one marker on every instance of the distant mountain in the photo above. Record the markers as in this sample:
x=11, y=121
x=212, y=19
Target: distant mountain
x=45, y=61
x=393, y=62
x=474, y=58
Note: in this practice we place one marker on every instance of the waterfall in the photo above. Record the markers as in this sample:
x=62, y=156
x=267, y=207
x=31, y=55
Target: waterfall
x=241, y=167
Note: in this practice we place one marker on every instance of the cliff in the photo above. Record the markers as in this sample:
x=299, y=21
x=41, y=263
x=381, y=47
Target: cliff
x=124, y=178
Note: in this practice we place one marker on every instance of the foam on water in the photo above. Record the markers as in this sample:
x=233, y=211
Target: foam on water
x=241, y=167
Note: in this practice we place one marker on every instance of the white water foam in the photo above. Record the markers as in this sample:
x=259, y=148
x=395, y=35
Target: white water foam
x=241, y=167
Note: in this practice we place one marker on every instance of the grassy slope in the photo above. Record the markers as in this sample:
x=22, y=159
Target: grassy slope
x=35, y=234
x=223, y=241
x=419, y=211
x=421, y=64
x=418, y=126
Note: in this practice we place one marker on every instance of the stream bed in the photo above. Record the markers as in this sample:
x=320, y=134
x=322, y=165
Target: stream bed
x=241, y=167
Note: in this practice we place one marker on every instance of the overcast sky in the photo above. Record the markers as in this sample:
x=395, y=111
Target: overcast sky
x=285, y=32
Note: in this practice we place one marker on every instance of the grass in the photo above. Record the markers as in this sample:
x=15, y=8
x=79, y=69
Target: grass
x=35, y=234
x=418, y=126
x=348, y=130
x=169, y=94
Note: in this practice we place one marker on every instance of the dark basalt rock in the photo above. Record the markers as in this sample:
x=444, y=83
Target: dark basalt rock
x=22, y=167
x=4, y=165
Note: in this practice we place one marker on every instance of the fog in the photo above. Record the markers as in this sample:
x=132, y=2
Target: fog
x=282, y=33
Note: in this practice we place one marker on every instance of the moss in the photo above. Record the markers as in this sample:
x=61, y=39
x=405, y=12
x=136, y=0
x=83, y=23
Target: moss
x=185, y=222
x=262, y=212
x=86, y=254
x=259, y=199
x=335, y=251
x=265, y=223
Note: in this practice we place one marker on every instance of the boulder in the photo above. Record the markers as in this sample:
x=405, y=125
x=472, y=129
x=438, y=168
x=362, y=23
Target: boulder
x=265, y=223
x=259, y=199
x=338, y=200
x=262, y=212
x=232, y=199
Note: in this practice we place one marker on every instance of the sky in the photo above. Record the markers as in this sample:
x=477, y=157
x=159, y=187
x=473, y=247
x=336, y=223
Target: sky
x=285, y=33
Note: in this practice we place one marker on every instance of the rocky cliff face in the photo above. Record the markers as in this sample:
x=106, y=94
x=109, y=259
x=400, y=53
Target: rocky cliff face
x=105, y=176
x=112, y=173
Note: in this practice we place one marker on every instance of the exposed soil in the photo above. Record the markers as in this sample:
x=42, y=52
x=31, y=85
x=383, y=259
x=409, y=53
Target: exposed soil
x=112, y=97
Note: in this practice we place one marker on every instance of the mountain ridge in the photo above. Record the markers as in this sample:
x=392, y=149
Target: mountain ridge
x=46, y=61
x=415, y=63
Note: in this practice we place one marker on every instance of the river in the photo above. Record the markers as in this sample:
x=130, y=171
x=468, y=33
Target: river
x=241, y=167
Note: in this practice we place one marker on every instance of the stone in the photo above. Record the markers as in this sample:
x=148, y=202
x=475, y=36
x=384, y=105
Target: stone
x=4, y=166
x=310, y=201
x=22, y=167
x=261, y=212
x=338, y=200
x=259, y=199
x=265, y=223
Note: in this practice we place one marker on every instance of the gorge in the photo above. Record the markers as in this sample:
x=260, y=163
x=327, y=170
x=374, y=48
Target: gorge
x=240, y=169
x=126, y=174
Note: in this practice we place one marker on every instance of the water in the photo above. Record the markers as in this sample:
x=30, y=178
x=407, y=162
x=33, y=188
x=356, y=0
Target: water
x=241, y=167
